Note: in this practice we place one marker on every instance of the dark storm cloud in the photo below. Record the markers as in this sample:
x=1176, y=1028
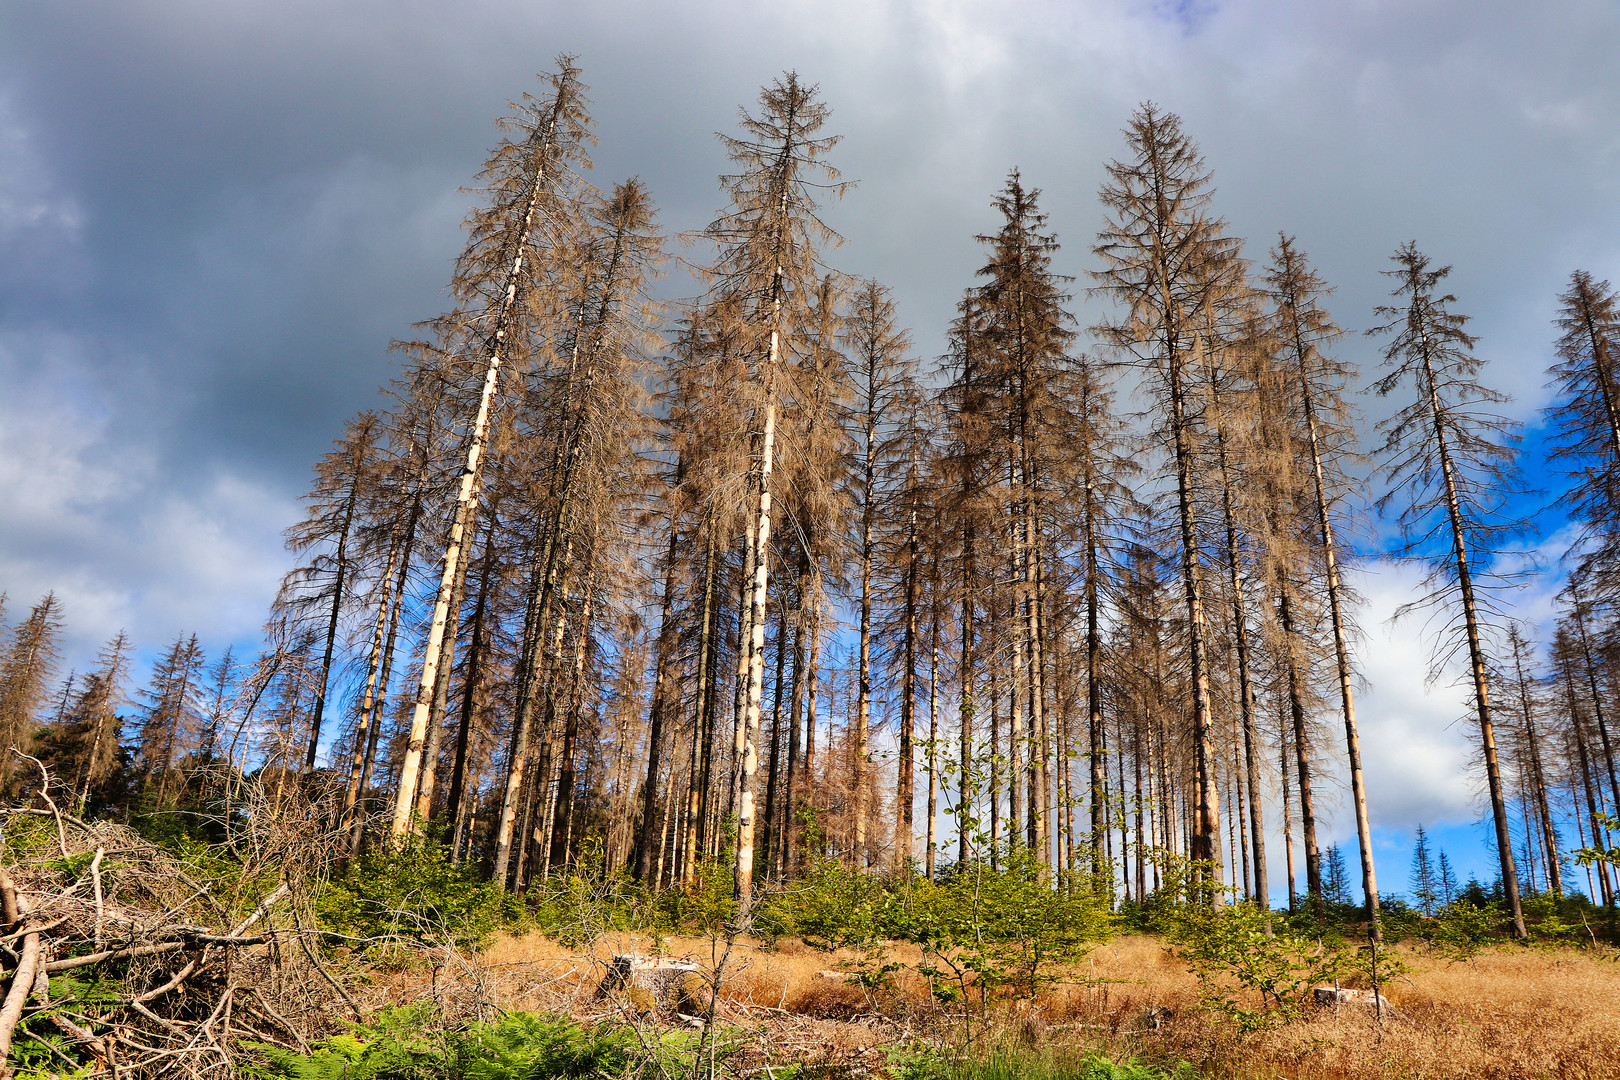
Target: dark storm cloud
x=215, y=216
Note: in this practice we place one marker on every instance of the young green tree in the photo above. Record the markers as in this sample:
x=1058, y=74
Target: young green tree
x=1450, y=462
x=1424, y=879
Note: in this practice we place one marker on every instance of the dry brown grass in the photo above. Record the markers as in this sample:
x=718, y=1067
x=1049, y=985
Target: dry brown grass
x=1509, y=1013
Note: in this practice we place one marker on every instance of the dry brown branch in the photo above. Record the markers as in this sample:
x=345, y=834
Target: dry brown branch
x=8, y=899
x=126, y=916
x=22, y=984
x=45, y=793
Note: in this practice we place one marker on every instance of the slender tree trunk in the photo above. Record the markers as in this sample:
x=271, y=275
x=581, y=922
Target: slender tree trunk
x=795, y=745
x=863, y=711
x=1094, y=687
x=1204, y=848
x=905, y=783
x=1341, y=647
x=1240, y=631
x=1476, y=659
x=965, y=710
x=660, y=694
x=1040, y=797
x=1302, y=757
x=812, y=677
x=995, y=759
x=563, y=819
x=1590, y=663
x=471, y=679
x=369, y=700
x=1288, y=813
x=933, y=739
x=1593, y=799
x=339, y=587
x=703, y=721
x=773, y=768
x=461, y=520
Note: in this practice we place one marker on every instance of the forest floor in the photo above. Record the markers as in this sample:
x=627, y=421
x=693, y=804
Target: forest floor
x=1507, y=1012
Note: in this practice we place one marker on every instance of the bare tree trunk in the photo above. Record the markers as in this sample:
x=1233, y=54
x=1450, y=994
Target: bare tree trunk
x=1476, y=659
x=1590, y=663
x=471, y=679
x=703, y=722
x=369, y=700
x=965, y=710
x=338, y=592
x=933, y=740
x=773, y=769
x=1341, y=647
x=427, y=775
x=1240, y=632
x=905, y=830
x=660, y=694
x=461, y=521
x=1204, y=848
x=795, y=741
x=1094, y=688
x=1288, y=813
x=1538, y=779
x=812, y=677
x=563, y=817
x=1296, y=709
x=753, y=647
x=1040, y=748
x=863, y=710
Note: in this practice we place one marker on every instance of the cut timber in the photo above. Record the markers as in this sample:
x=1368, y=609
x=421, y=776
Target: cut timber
x=660, y=979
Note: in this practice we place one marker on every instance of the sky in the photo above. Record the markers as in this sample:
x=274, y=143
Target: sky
x=214, y=217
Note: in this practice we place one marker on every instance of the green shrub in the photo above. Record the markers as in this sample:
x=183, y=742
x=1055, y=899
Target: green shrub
x=400, y=1044
x=830, y=906
x=990, y=929
x=1464, y=929
x=415, y=892
x=522, y=1046
x=1030, y=1064
x=1250, y=967
x=394, y=1046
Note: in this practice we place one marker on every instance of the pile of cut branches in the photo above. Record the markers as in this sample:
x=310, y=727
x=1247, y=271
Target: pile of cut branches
x=121, y=959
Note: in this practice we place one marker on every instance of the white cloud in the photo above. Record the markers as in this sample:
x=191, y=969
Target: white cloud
x=92, y=514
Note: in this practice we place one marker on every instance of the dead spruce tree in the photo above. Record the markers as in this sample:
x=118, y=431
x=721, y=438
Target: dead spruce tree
x=1585, y=420
x=586, y=411
x=1301, y=330
x=26, y=672
x=883, y=372
x=1022, y=334
x=1450, y=463
x=321, y=590
x=528, y=177
x=766, y=243
x=1103, y=471
x=1164, y=256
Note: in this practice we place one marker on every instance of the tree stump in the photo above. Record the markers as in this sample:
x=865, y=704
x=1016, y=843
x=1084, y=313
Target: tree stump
x=653, y=984
x=1341, y=995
